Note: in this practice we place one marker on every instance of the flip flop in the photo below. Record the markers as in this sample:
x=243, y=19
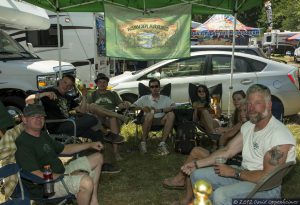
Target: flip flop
x=169, y=185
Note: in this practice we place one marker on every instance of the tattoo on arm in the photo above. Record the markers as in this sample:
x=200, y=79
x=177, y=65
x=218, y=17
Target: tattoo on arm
x=276, y=155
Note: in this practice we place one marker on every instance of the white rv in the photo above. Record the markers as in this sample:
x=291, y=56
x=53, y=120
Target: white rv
x=20, y=70
x=278, y=41
x=82, y=42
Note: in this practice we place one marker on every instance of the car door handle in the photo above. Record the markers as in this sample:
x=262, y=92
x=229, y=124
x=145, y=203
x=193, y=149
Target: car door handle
x=246, y=81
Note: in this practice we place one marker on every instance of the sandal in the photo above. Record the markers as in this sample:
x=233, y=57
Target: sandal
x=168, y=184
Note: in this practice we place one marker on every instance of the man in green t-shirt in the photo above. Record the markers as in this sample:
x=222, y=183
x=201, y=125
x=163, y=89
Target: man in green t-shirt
x=35, y=149
x=109, y=100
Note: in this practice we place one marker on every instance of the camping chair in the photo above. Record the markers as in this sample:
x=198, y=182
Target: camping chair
x=273, y=179
x=29, y=177
x=64, y=138
x=22, y=198
x=213, y=90
x=145, y=90
x=206, y=138
x=8, y=172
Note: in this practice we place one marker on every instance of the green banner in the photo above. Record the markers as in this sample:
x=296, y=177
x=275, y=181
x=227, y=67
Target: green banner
x=159, y=34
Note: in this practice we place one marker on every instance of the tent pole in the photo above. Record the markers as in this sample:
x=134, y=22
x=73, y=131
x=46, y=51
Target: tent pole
x=58, y=40
x=232, y=58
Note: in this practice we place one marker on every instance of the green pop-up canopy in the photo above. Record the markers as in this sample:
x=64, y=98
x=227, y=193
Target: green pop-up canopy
x=198, y=6
x=149, y=6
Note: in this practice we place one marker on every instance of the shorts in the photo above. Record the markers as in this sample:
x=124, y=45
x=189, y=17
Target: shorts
x=72, y=182
x=155, y=121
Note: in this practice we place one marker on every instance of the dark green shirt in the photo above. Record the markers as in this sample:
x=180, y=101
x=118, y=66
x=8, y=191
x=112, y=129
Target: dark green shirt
x=33, y=153
x=109, y=100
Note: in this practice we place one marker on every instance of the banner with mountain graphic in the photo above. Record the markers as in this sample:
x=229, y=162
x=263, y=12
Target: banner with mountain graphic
x=158, y=34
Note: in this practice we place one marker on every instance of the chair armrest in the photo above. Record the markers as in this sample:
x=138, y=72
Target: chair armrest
x=8, y=170
x=36, y=179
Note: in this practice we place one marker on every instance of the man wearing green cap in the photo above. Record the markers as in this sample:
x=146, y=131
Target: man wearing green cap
x=35, y=149
x=109, y=100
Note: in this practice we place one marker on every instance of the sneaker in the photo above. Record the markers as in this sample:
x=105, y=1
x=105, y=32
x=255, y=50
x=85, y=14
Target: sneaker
x=143, y=147
x=162, y=149
x=113, y=138
x=109, y=169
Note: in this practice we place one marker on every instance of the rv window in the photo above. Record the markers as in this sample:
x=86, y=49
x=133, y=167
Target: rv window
x=269, y=39
x=45, y=38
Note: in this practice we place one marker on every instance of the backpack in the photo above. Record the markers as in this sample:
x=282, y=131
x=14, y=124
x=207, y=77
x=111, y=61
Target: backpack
x=186, y=137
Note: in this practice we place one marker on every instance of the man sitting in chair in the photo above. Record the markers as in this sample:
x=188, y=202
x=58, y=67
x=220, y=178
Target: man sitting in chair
x=157, y=111
x=109, y=100
x=35, y=149
x=265, y=143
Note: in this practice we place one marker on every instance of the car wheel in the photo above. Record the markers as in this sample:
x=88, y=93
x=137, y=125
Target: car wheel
x=15, y=106
x=129, y=97
x=277, y=108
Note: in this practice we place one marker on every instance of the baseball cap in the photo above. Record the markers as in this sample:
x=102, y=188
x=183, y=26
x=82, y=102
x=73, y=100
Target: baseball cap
x=101, y=76
x=33, y=109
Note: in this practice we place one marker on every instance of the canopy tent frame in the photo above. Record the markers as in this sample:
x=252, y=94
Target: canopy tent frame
x=194, y=2
x=214, y=9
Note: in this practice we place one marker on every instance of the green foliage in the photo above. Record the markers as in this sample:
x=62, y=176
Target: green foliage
x=286, y=15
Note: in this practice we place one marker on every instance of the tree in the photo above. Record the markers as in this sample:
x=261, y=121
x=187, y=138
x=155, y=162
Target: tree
x=286, y=15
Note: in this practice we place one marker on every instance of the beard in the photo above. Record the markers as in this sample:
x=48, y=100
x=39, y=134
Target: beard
x=255, y=118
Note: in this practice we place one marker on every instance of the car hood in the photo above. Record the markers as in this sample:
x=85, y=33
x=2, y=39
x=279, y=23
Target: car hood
x=48, y=66
x=126, y=76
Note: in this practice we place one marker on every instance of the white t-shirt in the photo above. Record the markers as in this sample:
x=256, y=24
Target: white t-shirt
x=256, y=144
x=160, y=103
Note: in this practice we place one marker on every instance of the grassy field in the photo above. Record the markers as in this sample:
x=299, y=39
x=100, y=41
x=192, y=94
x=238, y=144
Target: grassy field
x=139, y=183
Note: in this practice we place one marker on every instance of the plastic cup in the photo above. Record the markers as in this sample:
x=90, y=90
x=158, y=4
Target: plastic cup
x=220, y=160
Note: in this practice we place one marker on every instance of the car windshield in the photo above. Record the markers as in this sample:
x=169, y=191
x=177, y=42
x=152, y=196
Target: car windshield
x=11, y=50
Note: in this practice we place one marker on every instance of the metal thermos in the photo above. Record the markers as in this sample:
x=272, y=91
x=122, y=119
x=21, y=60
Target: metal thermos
x=48, y=177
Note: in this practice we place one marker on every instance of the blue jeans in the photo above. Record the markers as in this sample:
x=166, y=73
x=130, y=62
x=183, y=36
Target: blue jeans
x=226, y=188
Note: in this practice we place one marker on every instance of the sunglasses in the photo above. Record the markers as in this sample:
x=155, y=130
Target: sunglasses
x=154, y=86
x=201, y=91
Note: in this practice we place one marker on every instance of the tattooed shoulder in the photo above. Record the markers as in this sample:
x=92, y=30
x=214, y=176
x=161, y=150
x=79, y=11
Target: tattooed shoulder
x=276, y=154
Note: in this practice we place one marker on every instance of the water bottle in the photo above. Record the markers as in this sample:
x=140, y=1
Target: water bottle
x=49, y=186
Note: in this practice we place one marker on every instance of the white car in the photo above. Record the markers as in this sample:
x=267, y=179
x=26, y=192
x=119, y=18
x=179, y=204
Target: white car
x=211, y=68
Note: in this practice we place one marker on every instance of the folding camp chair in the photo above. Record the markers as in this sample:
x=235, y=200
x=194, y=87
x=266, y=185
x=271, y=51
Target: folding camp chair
x=145, y=90
x=16, y=199
x=273, y=179
x=40, y=181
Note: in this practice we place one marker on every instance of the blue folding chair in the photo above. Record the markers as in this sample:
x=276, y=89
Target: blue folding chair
x=28, y=176
x=16, y=199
